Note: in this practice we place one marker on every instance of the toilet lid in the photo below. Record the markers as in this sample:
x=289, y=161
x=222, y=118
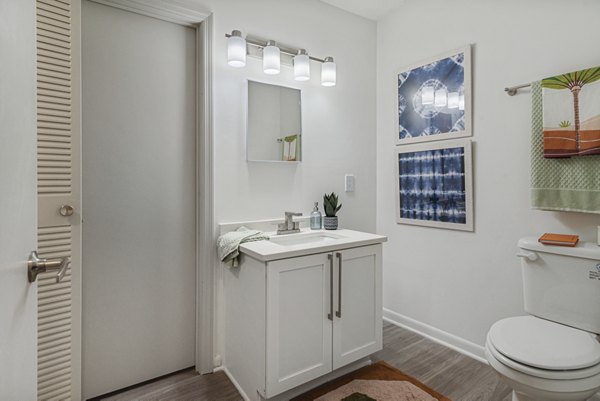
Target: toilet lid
x=543, y=344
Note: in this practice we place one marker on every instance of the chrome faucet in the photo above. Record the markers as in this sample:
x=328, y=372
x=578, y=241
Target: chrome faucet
x=289, y=226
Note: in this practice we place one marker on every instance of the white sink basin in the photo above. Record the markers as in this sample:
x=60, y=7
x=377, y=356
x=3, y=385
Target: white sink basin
x=305, y=238
x=307, y=242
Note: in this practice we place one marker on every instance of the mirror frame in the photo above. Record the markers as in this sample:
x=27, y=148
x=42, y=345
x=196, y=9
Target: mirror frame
x=247, y=118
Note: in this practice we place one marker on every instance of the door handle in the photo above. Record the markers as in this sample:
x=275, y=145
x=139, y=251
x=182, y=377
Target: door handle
x=37, y=265
x=339, y=311
x=330, y=314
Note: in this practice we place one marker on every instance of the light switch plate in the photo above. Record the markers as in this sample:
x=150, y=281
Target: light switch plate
x=349, y=183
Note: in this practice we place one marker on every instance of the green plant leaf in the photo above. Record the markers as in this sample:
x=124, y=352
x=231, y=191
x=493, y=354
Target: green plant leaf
x=330, y=204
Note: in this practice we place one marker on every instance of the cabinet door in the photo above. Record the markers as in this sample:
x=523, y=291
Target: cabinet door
x=299, y=331
x=357, y=326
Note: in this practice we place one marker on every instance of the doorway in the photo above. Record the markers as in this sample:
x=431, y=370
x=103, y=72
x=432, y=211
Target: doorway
x=139, y=198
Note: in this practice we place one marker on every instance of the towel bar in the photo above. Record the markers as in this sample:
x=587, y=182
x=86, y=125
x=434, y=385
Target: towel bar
x=512, y=90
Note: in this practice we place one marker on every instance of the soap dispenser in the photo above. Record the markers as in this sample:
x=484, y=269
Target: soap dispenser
x=315, y=218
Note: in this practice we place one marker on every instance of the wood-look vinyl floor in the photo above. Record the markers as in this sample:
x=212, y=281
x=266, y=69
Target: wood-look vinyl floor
x=183, y=386
x=451, y=373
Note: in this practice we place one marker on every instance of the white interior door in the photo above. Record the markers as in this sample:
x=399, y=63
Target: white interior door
x=139, y=240
x=17, y=200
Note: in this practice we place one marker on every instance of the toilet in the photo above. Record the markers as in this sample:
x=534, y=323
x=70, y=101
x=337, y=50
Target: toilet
x=553, y=353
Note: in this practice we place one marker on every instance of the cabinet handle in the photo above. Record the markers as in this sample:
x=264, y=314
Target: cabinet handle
x=339, y=311
x=330, y=314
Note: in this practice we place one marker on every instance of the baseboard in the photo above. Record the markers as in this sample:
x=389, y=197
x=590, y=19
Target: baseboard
x=456, y=343
x=235, y=383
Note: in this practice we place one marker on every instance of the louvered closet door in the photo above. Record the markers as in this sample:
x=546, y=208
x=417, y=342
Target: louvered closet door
x=58, y=184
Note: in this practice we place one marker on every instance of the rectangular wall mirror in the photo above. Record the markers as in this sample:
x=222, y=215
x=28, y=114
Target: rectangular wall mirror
x=274, y=126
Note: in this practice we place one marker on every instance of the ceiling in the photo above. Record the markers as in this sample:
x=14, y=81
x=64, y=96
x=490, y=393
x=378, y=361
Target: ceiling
x=371, y=9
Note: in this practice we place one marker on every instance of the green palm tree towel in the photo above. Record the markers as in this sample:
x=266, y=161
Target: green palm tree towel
x=228, y=244
x=567, y=184
x=574, y=96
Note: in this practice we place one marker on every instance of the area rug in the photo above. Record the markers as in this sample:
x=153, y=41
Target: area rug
x=377, y=382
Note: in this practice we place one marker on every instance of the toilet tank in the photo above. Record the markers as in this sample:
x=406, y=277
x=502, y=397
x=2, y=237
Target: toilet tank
x=562, y=284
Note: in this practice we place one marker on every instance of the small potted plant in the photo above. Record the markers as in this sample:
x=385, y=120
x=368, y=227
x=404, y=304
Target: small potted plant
x=330, y=204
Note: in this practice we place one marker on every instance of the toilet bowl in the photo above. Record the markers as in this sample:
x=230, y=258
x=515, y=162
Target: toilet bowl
x=543, y=360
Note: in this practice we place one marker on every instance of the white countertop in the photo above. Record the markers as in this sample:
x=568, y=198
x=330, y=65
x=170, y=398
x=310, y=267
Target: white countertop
x=265, y=251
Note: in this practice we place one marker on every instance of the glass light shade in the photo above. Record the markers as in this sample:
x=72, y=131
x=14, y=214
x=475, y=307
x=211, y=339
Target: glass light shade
x=453, y=100
x=301, y=66
x=441, y=98
x=236, y=50
x=461, y=102
x=271, y=59
x=427, y=95
x=328, y=72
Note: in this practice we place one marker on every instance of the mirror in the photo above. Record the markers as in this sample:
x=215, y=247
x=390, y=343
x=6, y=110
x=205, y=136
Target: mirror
x=274, y=127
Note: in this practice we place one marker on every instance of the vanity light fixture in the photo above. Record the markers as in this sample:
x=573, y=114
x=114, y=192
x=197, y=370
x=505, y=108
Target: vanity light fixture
x=301, y=66
x=328, y=72
x=236, y=50
x=271, y=58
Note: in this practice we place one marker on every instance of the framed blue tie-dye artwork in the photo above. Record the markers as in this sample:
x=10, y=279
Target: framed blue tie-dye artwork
x=434, y=98
x=434, y=184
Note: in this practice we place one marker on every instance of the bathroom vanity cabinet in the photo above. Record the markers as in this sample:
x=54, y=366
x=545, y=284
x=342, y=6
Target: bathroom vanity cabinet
x=292, y=320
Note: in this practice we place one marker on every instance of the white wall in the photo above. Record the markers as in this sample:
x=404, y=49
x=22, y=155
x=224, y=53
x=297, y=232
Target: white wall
x=463, y=282
x=338, y=123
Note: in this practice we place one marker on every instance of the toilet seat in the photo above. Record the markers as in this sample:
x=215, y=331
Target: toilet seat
x=544, y=349
x=556, y=386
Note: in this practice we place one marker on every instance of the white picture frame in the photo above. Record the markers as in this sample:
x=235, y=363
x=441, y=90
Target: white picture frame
x=412, y=205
